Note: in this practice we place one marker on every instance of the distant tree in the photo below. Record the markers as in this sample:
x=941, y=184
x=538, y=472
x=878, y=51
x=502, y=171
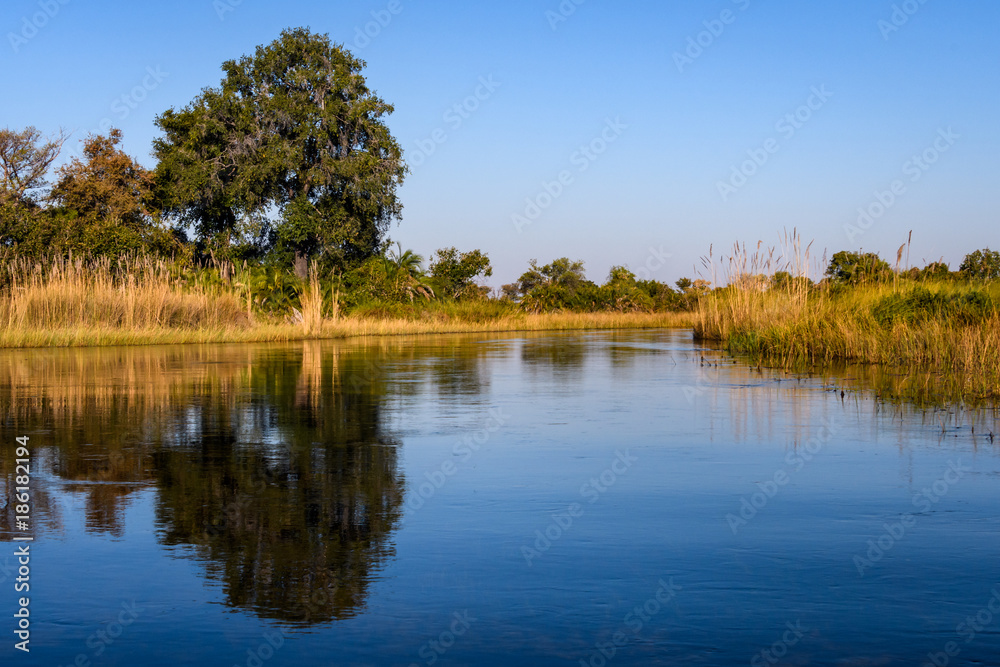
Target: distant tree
x=851, y=268
x=558, y=285
x=510, y=291
x=107, y=193
x=684, y=284
x=406, y=268
x=621, y=292
x=934, y=271
x=981, y=265
x=562, y=272
x=295, y=129
x=663, y=297
x=25, y=159
x=455, y=272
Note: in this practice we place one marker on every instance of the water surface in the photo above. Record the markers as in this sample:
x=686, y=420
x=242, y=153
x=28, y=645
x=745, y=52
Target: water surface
x=538, y=499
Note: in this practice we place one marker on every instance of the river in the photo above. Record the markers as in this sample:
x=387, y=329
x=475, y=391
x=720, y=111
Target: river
x=593, y=498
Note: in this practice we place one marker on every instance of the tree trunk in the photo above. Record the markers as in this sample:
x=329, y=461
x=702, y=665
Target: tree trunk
x=301, y=265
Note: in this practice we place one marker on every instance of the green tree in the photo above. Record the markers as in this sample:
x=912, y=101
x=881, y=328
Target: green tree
x=981, y=265
x=408, y=274
x=851, y=268
x=455, y=272
x=622, y=293
x=293, y=129
x=934, y=271
x=561, y=284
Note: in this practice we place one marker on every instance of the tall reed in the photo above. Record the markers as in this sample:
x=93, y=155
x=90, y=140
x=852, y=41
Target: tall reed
x=943, y=326
x=128, y=294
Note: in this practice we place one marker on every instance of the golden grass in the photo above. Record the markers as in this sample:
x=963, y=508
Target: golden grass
x=72, y=303
x=792, y=328
x=345, y=327
x=97, y=295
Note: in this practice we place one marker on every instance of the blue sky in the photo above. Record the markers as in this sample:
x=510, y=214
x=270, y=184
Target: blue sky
x=664, y=132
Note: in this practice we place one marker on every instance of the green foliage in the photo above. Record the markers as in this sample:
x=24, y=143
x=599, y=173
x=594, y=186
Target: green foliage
x=293, y=128
x=851, y=268
x=101, y=210
x=786, y=282
x=921, y=304
x=455, y=272
x=664, y=298
x=621, y=293
x=933, y=272
x=387, y=280
x=562, y=285
x=981, y=265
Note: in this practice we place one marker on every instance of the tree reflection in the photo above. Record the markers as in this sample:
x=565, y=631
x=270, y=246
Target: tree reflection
x=270, y=462
x=293, y=520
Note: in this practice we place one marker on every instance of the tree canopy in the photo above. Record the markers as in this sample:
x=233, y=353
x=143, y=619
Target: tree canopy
x=981, y=264
x=108, y=194
x=25, y=158
x=291, y=150
x=852, y=267
x=455, y=271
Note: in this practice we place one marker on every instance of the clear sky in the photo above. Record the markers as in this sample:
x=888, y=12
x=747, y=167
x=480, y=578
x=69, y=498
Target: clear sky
x=681, y=106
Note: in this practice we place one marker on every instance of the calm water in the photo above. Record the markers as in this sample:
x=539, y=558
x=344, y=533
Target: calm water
x=579, y=499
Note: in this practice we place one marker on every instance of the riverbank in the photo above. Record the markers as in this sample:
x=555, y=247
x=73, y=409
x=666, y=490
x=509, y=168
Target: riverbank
x=343, y=327
x=943, y=327
x=79, y=303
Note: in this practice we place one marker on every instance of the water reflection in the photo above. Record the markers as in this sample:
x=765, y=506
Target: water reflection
x=271, y=464
x=279, y=467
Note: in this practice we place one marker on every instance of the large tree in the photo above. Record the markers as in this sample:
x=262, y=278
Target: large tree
x=292, y=147
x=25, y=158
